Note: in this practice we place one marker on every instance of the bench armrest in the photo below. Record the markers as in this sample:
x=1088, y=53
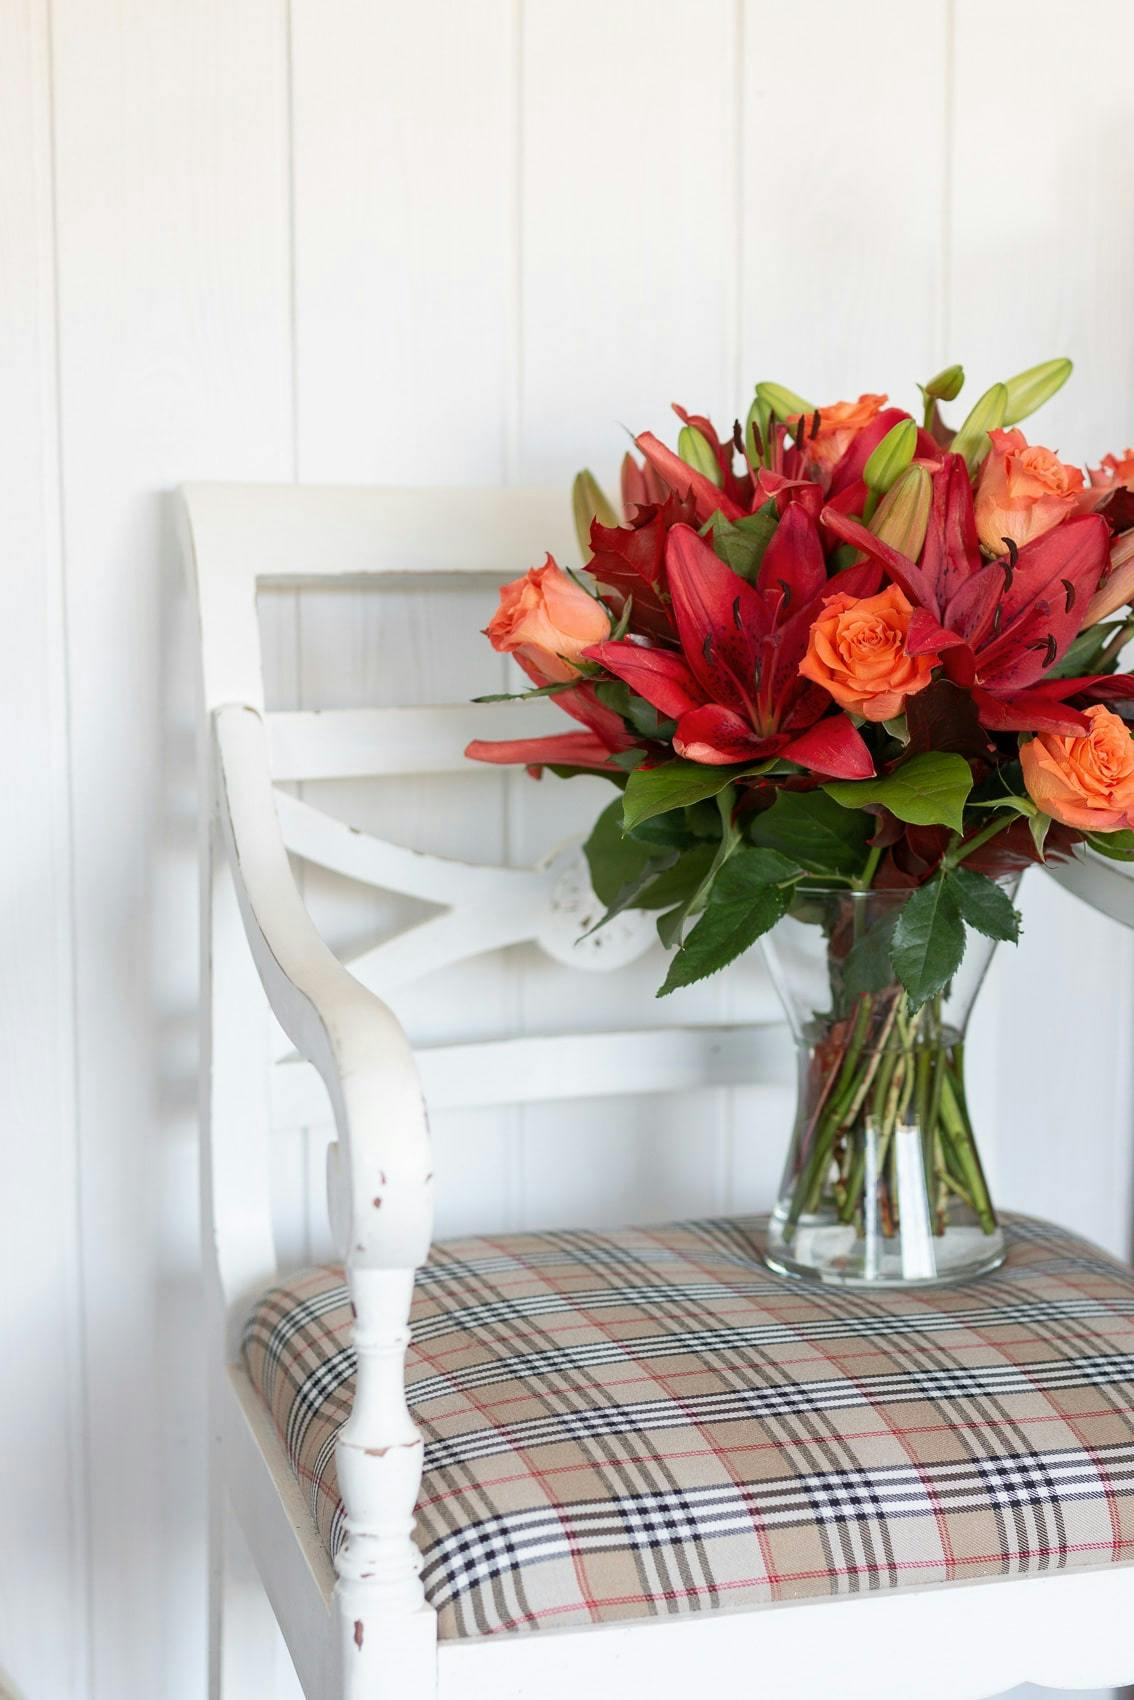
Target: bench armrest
x=380, y=1174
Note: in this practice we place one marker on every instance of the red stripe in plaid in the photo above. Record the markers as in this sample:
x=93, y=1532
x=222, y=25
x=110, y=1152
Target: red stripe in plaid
x=646, y=1422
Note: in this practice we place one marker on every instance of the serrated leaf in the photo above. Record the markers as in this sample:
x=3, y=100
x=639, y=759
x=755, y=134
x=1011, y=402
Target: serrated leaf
x=927, y=790
x=1028, y=390
x=675, y=785
x=616, y=861
x=982, y=904
x=748, y=897
x=987, y=415
x=867, y=966
x=815, y=831
x=741, y=543
x=679, y=883
x=928, y=942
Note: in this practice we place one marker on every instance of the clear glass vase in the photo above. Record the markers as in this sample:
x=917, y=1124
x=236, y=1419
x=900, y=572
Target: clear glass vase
x=883, y=1185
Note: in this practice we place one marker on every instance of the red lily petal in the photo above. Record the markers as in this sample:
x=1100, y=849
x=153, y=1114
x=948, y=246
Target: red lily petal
x=793, y=561
x=784, y=491
x=906, y=574
x=1042, y=607
x=659, y=675
x=562, y=749
x=834, y=747
x=717, y=737
x=926, y=637
x=681, y=478
x=952, y=551
x=1029, y=711
x=720, y=619
x=1100, y=686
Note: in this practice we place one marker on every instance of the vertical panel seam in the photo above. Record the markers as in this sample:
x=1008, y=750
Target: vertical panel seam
x=78, y=1416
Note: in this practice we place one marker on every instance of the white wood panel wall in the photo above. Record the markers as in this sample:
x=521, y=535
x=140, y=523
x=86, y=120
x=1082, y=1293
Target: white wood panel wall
x=355, y=239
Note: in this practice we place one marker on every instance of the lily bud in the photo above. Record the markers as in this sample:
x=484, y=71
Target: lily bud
x=891, y=457
x=588, y=503
x=785, y=404
x=946, y=386
x=1029, y=390
x=756, y=426
x=972, y=440
x=1117, y=588
x=696, y=451
x=902, y=516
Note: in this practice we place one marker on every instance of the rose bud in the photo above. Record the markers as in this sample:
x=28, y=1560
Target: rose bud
x=1024, y=490
x=857, y=652
x=1085, y=782
x=546, y=621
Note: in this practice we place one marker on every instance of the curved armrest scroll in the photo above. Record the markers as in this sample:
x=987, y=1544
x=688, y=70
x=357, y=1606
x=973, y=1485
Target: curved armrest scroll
x=381, y=1177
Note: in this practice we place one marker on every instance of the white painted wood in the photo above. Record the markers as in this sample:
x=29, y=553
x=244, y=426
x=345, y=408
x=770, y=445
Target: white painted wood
x=361, y=743
x=171, y=217
x=43, y=1555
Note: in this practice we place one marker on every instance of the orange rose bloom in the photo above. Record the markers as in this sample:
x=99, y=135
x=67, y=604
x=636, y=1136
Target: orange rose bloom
x=1024, y=490
x=839, y=425
x=1119, y=470
x=1085, y=782
x=857, y=652
x=546, y=621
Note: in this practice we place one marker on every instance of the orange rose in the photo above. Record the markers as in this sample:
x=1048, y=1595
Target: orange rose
x=1116, y=471
x=1086, y=782
x=839, y=425
x=546, y=621
x=1024, y=490
x=857, y=652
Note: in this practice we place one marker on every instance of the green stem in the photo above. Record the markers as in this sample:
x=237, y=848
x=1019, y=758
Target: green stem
x=865, y=879
x=952, y=857
x=956, y=1124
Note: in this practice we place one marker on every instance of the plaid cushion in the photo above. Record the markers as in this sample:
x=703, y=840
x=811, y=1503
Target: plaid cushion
x=631, y=1424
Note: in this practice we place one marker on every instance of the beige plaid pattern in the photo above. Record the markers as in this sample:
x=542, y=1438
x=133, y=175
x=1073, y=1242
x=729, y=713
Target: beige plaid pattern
x=647, y=1422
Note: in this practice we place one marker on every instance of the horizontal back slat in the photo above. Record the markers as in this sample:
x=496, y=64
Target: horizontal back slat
x=564, y=1067
x=375, y=742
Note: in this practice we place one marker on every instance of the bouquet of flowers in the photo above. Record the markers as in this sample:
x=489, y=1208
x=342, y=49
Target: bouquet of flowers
x=845, y=650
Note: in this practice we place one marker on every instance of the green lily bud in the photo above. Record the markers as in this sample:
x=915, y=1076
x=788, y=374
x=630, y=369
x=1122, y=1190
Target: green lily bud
x=946, y=386
x=588, y=503
x=891, y=457
x=987, y=415
x=902, y=516
x=1028, y=390
x=759, y=418
x=696, y=451
x=785, y=404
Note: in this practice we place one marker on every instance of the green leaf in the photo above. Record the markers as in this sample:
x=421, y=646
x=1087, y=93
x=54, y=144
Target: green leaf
x=867, y=966
x=1119, y=846
x=616, y=861
x=1019, y=805
x=929, y=941
x=741, y=543
x=674, y=785
x=927, y=790
x=987, y=415
x=680, y=883
x=1028, y=390
x=642, y=716
x=750, y=894
x=984, y=905
x=1040, y=825
x=785, y=404
x=536, y=691
x=588, y=503
x=815, y=831
x=696, y=451
x=890, y=458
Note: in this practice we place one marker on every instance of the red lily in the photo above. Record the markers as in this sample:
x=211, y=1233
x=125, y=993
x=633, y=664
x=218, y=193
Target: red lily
x=998, y=625
x=735, y=689
x=605, y=736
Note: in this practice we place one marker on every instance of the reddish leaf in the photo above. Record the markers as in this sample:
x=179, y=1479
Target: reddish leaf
x=944, y=717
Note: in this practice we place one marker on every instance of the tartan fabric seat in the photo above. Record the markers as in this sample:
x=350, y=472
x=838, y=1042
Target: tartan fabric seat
x=647, y=1422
